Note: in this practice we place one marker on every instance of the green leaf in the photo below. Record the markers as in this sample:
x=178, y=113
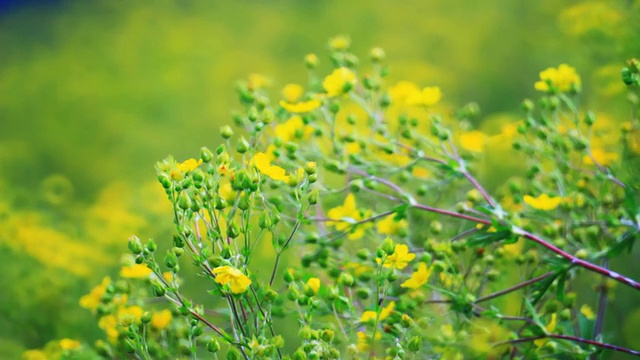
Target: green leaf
x=401, y=212
x=486, y=238
x=624, y=242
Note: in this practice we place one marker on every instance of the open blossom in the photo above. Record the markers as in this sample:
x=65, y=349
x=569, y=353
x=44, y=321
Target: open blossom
x=263, y=163
x=135, y=271
x=399, y=259
x=473, y=141
x=160, y=320
x=339, y=82
x=418, y=278
x=302, y=106
x=429, y=96
x=238, y=282
x=563, y=78
x=543, y=202
x=347, y=214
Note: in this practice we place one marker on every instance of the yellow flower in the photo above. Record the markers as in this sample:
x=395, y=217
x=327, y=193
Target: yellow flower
x=314, y=284
x=293, y=129
x=263, y=163
x=587, y=312
x=388, y=226
x=473, y=141
x=340, y=42
x=418, y=278
x=130, y=315
x=429, y=96
x=258, y=81
x=602, y=157
x=168, y=276
x=563, y=78
x=551, y=326
x=363, y=341
x=69, y=344
x=109, y=324
x=301, y=107
x=347, y=214
x=238, y=282
x=387, y=310
x=399, y=259
x=339, y=82
x=368, y=316
x=189, y=165
x=292, y=92
x=34, y=355
x=311, y=60
x=543, y=202
x=160, y=320
x=402, y=91
x=92, y=300
x=135, y=271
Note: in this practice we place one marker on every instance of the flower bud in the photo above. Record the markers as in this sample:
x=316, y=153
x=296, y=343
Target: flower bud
x=242, y=146
x=135, y=245
x=313, y=197
x=346, y=279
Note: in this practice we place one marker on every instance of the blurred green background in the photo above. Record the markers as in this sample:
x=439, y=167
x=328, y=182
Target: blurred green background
x=93, y=93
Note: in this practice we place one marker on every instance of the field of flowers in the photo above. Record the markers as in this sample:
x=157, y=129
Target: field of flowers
x=340, y=180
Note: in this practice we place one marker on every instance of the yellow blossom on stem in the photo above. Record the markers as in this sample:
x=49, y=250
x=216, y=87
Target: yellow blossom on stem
x=135, y=271
x=543, y=202
x=399, y=259
x=340, y=42
x=418, y=278
x=292, y=92
x=293, y=129
x=301, y=107
x=587, y=312
x=388, y=225
x=339, y=82
x=563, y=78
x=403, y=91
x=69, y=344
x=429, y=96
x=238, y=282
x=189, y=165
x=314, y=284
x=473, y=141
x=347, y=214
x=160, y=320
x=551, y=326
x=92, y=300
x=602, y=157
x=258, y=81
x=263, y=163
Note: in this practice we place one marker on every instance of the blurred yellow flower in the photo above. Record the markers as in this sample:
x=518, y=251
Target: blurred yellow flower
x=258, y=81
x=551, y=326
x=347, y=214
x=301, y=107
x=399, y=259
x=562, y=78
x=340, y=42
x=473, y=141
x=189, y=165
x=402, y=91
x=389, y=226
x=384, y=313
x=314, y=284
x=429, y=96
x=292, y=92
x=588, y=16
x=543, y=201
x=34, y=355
x=587, y=312
x=69, y=344
x=339, y=82
x=129, y=315
x=160, y=320
x=603, y=158
x=368, y=316
x=92, y=300
x=238, y=282
x=263, y=163
x=135, y=271
x=292, y=129
x=418, y=278
x=109, y=324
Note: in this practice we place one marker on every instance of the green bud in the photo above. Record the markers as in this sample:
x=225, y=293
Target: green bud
x=170, y=260
x=213, y=346
x=151, y=245
x=146, y=317
x=435, y=227
x=196, y=331
x=220, y=203
x=157, y=289
x=388, y=246
x=362, y=293
x=406, y=321
x=184, y=201
x=313, y=197
x=135, y=245
x=165, y=181
x=226, y=132
x=346, y=279
x=265, y=221
x=415, y=344
x=310, y=167
x=242, y=146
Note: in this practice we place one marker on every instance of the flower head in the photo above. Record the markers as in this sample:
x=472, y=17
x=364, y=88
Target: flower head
x=543, y=202
x=347, y=214
x=399, y=259
x=473, y=141
x=263, y=162
x=135, y=271
x=238, y=282
x=339, y=82
x=314, y=284
x=69, y=344
x=418, y=278
x=563, y=78
x=340, y=42
x=292, y=92
x=92, y=300
x=429, y=96
x=301, y=107
x=160, y=320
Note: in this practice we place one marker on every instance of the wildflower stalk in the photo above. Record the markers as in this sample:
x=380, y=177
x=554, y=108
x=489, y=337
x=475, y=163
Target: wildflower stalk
x=569, y=338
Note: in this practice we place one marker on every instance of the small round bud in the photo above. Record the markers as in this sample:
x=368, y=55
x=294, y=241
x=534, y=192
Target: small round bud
x=226, y=132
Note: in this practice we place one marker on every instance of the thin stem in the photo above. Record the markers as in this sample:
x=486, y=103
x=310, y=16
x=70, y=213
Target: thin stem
x=515, y=287
x=570, y=338
x=602, y=305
